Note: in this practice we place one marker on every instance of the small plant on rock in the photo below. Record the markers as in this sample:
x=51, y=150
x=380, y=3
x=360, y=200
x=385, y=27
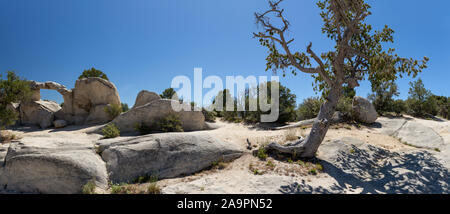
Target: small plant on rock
x=110, y=131
x=89, y=188
x=262, y=153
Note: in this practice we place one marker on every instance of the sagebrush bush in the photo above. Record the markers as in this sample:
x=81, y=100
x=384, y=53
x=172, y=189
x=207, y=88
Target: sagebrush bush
x=89, y=187
x=170, y=123
x=110, y=131
x=113, y=110
x=309, y=109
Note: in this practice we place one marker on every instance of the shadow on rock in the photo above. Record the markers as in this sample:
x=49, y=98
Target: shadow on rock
x=374, y=170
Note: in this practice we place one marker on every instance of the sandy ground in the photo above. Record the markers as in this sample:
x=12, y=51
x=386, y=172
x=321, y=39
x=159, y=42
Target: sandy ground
x=249, y=174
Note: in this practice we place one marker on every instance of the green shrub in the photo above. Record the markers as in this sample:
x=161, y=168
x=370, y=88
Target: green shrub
x=153, y=188
x=13, y=89
x=170, y=123
x=93, y=73
x=143, y=128
x=110, y=131
x=421, y=102
x=262, y=153
x=89, y=187
x=382, y=97
x=345, y=107
x=113, y=110
x=399, y=107
x=169, y=93
x=210, y=116
x=309, y=109
x=125, y=107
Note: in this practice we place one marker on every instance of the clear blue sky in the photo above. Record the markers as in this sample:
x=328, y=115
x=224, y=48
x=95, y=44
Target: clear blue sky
x=143, y=44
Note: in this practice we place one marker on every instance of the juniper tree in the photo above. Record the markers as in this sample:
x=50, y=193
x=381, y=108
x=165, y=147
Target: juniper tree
x=358, y=53
x=13, y=89
x=93, y=73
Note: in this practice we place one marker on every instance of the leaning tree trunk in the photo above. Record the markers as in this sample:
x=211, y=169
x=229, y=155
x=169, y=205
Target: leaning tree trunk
x=308, y=148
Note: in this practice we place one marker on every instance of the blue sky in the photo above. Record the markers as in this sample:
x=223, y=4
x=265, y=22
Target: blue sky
x=143, y=44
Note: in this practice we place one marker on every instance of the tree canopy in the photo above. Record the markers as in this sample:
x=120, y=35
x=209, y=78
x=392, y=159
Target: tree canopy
x=169, y=93
x=357, y=54
x=93, y=73
x=13, y=89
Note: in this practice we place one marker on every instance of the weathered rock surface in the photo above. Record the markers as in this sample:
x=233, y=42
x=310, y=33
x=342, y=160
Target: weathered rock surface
x=145, y=97
x=84, y=104
x=364, y=110
x=165, y=155
x=152, y=112
x=90, y=95
x=40, y=113
x=52, y=166
x=97, y=115
x=375, y=170
x=412, y=132
x=59, y=124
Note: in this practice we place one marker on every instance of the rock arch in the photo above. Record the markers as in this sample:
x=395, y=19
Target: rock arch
x=83, y=104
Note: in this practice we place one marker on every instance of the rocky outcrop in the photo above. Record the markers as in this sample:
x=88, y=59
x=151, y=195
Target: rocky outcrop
x=165, y=155
x=363, y=110
x=52, y=166
x=85, y=103
x=40, y=113
x=411, y=132
x=145, y=97
x=152, y=112
x=89, y=93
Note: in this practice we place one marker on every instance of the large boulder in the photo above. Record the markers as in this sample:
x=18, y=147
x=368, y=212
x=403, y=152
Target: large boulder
x=90, y=96
x=145, y=97
x=41, y=113
x=152, y=112
x=54, y=166
x=363, y=110
x=165, y=155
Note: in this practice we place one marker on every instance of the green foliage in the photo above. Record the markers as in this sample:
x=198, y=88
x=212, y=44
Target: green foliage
x=153, y=188
x=210, y=116
x=421, y=102
x=309, y=109
x=13, y=89
x=382, y=97
x=399, y=107
x=125, y=107
x=110, y=131
x=93, y=73
x=113, y=110
x=170, y=123
x=345, y=107
x=262, y=153
x=89, y=187
x=169, y=93
x=443, y=104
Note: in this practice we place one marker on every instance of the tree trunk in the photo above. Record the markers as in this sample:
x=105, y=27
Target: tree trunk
x=308, y=148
